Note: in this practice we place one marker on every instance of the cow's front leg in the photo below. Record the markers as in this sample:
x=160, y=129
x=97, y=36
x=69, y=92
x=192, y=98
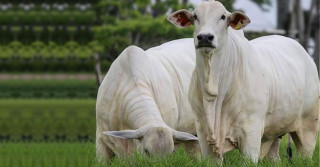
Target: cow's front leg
x=206, y=149
x=250, y=140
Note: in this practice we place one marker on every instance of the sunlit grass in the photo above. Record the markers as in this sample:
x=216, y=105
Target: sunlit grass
x=83, y=155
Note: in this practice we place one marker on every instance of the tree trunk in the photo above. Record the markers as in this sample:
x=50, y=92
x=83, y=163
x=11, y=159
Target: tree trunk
x=185, y=2
x=97, y=68
x=293, y=24
x=300, y=21
x=137, y=38
x=155, y=10
x=309, y=24
x=283, y=10
x=316, y=25
x=316, y=51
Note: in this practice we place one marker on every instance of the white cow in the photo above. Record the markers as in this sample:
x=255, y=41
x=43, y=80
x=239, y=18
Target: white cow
x=144, y=96
x=248, y=93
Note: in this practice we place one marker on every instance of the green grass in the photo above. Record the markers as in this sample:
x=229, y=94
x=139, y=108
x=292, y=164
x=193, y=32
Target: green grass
x=38, y=117
x=54, y=117
x=83, y=155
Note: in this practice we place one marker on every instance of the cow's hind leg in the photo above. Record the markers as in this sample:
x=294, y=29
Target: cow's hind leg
x=273, y=153
x=305, y=137
x=265, y=147
x=270, y=149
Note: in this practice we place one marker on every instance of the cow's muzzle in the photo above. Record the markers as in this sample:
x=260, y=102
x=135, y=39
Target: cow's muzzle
x=205, y=40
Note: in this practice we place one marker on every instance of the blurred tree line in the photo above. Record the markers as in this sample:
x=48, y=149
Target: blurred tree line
x=39, y=36
x=140, y=22
x=69, y=35
x=65, y=36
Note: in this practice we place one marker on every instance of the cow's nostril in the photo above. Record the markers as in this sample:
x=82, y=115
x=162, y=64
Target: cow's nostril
x=199, y=37
x=210, y=37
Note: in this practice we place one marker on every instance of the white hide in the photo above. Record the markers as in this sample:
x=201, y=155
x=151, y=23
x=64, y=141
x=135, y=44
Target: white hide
x=146, y=91
x=248, y=93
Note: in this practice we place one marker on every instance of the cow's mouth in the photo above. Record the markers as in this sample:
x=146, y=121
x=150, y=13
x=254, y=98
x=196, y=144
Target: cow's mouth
x=206, y=49
x=205, y=46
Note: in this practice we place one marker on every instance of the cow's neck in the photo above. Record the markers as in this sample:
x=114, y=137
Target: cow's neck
x=140, y=110
x=218, y=74
x=219, y=70
x=232, y=60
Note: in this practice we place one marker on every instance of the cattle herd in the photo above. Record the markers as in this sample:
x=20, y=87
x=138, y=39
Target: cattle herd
x=211, y=94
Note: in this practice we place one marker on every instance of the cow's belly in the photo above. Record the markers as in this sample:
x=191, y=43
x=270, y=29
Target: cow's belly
x=286, y=102
x=287, y=83
x=288, y=110
x=279, y=124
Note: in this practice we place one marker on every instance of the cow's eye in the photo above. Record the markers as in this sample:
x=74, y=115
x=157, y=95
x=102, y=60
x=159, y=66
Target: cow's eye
x=195, y=17
x=223, y=17
x=147, y=151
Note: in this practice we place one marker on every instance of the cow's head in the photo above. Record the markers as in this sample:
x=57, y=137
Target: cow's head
x=211, y=21
x=153, y=140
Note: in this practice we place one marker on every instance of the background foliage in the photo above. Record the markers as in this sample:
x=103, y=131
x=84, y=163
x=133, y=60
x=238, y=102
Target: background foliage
x=64, y=36
x=48, y=89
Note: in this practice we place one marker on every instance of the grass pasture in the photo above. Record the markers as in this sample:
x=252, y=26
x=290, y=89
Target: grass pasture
x=54, y=129
x=82, y=155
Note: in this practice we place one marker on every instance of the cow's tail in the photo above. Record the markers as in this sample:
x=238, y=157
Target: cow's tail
x=289, y=148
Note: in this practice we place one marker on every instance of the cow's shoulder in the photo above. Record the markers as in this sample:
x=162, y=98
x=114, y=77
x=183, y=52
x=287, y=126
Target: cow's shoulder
x=132, y=54
x=134, y=59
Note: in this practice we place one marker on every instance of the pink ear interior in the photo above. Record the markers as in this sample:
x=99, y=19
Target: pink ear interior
x=183, y=19
x=236, y=17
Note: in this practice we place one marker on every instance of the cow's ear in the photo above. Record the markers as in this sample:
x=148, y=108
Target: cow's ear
x=183, y=136
x=238, y=20
x=181, y=18
x=124, y=134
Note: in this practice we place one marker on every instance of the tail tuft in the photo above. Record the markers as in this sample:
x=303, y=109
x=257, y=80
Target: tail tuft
x=289, y=152
x=289, y=148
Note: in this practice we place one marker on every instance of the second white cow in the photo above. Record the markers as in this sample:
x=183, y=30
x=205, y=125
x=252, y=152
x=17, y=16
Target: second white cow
x=143, y=104
x=248, y=93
